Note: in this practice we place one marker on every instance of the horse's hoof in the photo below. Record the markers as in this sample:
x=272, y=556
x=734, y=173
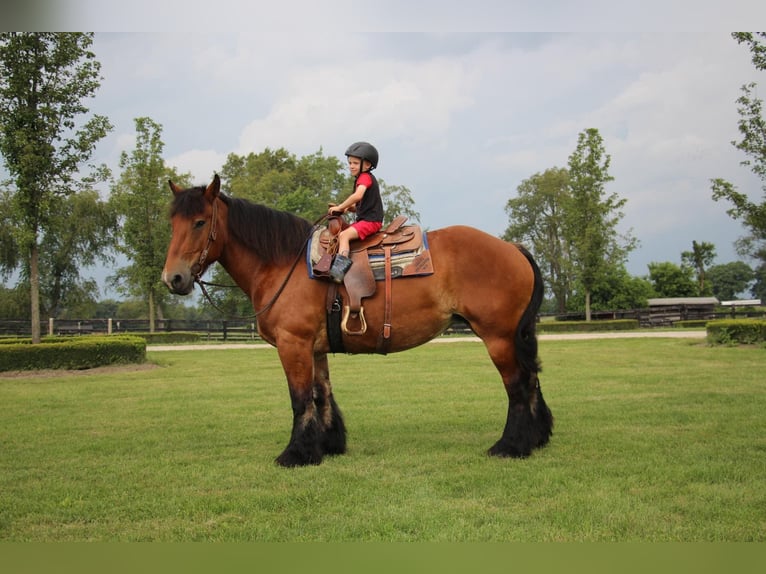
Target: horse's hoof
x=505, y=450
x=291, y=459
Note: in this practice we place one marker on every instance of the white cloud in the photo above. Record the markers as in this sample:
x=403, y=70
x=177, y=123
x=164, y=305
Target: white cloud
x=202, y=164
x=377, y=100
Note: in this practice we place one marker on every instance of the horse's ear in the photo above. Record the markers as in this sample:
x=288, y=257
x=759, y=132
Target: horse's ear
x=174, y=188
x=213, y=189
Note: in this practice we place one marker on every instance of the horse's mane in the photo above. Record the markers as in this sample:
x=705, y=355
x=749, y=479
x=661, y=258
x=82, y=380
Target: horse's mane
x=276, y=236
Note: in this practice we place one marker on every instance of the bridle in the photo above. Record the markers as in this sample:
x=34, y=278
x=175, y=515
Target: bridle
x=200, y=267
x=212, y=234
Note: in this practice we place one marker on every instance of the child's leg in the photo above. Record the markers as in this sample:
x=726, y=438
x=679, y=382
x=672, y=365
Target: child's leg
x=344, y=240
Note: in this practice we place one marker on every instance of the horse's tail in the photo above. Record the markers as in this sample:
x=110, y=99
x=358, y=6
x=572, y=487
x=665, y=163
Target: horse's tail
x=526, y=336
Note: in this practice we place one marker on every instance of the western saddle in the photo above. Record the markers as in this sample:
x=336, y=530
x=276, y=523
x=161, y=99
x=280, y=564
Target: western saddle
x=360, y=281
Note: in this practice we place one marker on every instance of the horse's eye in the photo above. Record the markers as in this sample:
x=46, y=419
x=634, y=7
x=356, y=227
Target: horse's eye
x=199, y=224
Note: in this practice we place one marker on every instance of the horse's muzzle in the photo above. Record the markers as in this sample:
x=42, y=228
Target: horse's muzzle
x=179, y=283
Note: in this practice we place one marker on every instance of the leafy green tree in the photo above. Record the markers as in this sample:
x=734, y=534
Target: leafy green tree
x=729, y=279
x=536, y=218
x=671, y=280
x=10, y=258
x=591, y=216
x=44, y=78
x=701, y=256
x=278, y=179
x=615, y=290
x=397, y=200
x=106, y=308
x=752, y=128
x=81, y=234
x=759, y=287
x=141, y=197
x=14, y=302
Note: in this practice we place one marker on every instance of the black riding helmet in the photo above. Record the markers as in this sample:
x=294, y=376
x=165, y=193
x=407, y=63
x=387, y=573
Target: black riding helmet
x=364, y=150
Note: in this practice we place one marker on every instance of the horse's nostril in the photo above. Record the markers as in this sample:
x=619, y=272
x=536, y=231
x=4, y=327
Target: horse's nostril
x=177, y=280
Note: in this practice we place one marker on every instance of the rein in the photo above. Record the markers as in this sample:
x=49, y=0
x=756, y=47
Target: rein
x=203, y=256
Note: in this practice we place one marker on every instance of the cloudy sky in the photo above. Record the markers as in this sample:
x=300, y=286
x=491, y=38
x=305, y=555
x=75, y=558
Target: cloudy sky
x=461, y=114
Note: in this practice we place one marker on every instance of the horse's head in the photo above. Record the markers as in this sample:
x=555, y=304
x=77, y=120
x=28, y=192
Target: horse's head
x=194, y=220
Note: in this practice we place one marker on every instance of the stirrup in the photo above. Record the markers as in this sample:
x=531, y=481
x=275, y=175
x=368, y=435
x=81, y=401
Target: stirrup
x=344, y=321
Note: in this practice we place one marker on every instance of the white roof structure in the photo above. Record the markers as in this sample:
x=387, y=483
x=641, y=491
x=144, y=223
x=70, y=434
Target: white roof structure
x=682, y=301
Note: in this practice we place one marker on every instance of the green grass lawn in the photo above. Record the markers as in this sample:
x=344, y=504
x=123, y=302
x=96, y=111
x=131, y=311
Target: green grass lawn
x=655, y=440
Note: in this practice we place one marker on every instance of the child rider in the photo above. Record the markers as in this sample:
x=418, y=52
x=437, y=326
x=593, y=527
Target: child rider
x=365, y=201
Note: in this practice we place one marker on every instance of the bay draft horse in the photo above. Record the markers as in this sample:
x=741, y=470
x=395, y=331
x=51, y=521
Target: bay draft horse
x=494, y=285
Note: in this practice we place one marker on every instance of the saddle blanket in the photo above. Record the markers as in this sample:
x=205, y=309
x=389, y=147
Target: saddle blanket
x=403, y=263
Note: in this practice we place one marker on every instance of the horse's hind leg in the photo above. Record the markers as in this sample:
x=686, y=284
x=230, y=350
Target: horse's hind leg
x=334, y=437
x=529, y=422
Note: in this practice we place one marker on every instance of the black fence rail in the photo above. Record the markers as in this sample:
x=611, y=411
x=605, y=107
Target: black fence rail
x=222, y=330
x=665, y=316
x=242, y=330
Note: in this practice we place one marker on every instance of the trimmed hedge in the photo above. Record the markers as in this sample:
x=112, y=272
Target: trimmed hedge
x=28, y=340
x=736, y=331
x=167, y=338
x=71, y=352
x=691, y=323
x=586, y=326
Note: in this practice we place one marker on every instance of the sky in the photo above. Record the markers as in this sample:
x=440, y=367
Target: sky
x=463, y=104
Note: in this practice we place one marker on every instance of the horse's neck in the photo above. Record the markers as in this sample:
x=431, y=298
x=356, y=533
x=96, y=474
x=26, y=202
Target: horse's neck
x=245, y=267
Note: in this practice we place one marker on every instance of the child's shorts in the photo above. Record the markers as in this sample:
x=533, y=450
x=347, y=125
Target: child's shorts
x=367, y=228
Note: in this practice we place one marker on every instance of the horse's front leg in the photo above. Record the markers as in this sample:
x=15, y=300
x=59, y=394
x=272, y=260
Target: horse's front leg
x=305, y=446
x=334, y=440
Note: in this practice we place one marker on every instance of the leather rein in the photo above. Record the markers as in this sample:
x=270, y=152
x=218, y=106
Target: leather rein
x=200, y=266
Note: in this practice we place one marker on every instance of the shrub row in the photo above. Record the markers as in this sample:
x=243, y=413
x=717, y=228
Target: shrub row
x=691, y=323
x=586, y=326
x=736, y=331
x=28, y=340
x=167, y=338
x=71, y=352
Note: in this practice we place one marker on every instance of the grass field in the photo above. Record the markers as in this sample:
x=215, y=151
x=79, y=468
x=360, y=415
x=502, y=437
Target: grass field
x=655, y=440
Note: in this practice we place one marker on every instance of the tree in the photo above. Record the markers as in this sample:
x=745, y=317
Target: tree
x=616, y=289
x=591, y=216
x=536, y=218
x=141, y=197
x=14, y=302
x=752, y=128
x=759, y=287
x=43, y=79
x=729, y=279
x=701, y=256
x=671, y=280
x=69, y=247
x=278, y=179
x=397, y=200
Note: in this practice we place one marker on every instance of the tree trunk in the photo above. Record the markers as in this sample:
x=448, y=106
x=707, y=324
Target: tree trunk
x=587, y=305
x=151, y=310
x=34, y=291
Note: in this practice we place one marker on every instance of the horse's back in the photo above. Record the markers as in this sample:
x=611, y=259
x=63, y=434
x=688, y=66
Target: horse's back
x=461, y=249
